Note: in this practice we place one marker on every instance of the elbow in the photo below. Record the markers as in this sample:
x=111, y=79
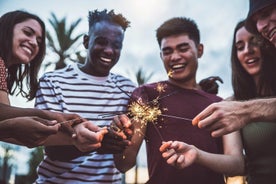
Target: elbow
x=125, y=165
x=238, y=169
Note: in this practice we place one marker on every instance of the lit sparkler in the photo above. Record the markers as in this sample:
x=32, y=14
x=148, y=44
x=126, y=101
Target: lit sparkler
x=146, y=112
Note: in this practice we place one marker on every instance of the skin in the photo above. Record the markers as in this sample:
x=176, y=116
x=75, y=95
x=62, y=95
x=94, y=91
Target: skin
x=266, y=23
x=26, y=39
x=104, y=46
x=249, y=53
x=228, y=116
x=225, y=117
x=180, y=58
x=181, y=155
x=36, y=129
x=27, y=35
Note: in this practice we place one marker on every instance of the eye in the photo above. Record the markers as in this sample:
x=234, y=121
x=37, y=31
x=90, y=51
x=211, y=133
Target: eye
x=27, y=32
x=166, y=51
x=239, y=46
x=117, y=45
x=101, y=41
x=183, y=48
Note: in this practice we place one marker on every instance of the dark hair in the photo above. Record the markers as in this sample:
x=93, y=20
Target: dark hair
x=243, y=84
x=178, y=25
x=97, y=16
x=18, y=72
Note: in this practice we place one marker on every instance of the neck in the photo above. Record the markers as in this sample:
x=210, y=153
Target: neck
x=185, y=84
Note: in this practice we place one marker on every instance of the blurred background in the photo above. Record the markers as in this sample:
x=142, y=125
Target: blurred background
x=139, y=60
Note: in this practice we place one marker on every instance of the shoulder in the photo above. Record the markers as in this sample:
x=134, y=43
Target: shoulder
x=61, y=73
x=119, y=79
x=211, y=97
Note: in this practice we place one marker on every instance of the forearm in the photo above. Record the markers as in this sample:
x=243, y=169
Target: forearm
x=127, y=159
x=230, y=165
x=8, y=112
x=6, y=129
x=261, y=110
x=59, y=139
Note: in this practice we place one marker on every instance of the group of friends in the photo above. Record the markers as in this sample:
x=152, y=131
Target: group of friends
x=81, y=111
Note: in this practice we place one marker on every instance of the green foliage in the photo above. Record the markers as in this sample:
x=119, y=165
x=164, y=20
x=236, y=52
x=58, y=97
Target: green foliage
x=35, y=158
x=62, y=42
x=141, y=76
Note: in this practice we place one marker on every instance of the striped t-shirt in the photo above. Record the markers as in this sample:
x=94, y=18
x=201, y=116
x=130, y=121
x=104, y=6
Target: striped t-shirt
x=72, y=91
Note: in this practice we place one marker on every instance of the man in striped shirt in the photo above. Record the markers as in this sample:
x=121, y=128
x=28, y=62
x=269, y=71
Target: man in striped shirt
x=91, y=91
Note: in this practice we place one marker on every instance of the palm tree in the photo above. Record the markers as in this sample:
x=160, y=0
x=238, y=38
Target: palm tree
x=35, y=158
x=141, y=76
x=62, y=42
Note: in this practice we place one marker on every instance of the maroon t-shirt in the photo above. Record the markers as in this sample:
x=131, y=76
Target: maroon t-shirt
x=178, y=103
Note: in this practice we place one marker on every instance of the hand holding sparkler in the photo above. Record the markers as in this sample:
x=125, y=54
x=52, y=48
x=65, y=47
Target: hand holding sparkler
x=88, y=137
x=118, y=136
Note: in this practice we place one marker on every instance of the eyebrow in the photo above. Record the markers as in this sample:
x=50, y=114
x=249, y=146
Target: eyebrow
x=184, y=44
x=33, y=31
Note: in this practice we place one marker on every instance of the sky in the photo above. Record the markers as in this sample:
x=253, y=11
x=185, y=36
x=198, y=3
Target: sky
x=216, y=20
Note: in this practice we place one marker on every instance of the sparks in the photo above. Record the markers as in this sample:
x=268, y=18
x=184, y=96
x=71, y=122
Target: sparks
x=144, y=112
x=170, y=73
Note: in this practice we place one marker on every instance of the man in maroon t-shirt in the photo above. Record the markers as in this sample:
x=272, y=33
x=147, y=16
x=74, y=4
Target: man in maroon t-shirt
x=162, y=111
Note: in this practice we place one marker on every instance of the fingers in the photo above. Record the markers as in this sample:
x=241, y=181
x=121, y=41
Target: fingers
x=165, y=146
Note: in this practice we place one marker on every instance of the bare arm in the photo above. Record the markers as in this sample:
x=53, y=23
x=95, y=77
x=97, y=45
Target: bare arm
x=228, y=116
x=27, y=131
x=127, y=159
x=4, y=98
x=181, y=155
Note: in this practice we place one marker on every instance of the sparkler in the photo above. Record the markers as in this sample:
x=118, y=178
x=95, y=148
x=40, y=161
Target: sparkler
x=146, y=112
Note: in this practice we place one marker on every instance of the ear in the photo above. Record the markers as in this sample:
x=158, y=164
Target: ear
x=200, y=49
x=85, y=41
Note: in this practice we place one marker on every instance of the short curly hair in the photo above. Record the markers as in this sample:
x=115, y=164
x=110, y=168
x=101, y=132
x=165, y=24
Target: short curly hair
x=97, y=16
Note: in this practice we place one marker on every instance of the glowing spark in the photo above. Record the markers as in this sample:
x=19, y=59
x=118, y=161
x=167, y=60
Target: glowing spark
x=161, y=87
x=144, y=112
x=170, y=73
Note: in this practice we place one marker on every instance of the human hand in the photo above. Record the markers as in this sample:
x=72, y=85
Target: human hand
x=178, y=154
x=31, y=131
x=118, y=136
x=67, y=120
x=88, y=136
x=223, y=117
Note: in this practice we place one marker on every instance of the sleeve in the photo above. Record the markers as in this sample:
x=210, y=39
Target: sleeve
x=3, y=76
x=48, y=96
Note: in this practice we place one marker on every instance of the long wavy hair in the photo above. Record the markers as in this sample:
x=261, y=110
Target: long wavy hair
x=18, y=73
x=243, y=84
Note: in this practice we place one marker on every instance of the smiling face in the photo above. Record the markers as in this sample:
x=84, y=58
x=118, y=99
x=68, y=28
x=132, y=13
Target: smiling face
x=180, y=58
x=266, y=23
x=104, y=48
x=27, y=37
x=248, y=52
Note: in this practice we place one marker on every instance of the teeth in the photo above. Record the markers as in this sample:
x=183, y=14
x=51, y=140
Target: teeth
x=27, y=50
x=251, y=61
x=272, y=33
x=106, y=59
x=177, y=66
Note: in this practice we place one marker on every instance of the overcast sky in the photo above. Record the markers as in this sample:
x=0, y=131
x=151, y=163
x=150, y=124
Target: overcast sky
x=216, y=20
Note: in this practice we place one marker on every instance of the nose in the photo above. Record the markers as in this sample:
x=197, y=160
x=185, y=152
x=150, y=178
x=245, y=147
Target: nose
x=108, y=49
x=33, y=41
x=175, y=55
x=262, y=26
x=249, y=48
